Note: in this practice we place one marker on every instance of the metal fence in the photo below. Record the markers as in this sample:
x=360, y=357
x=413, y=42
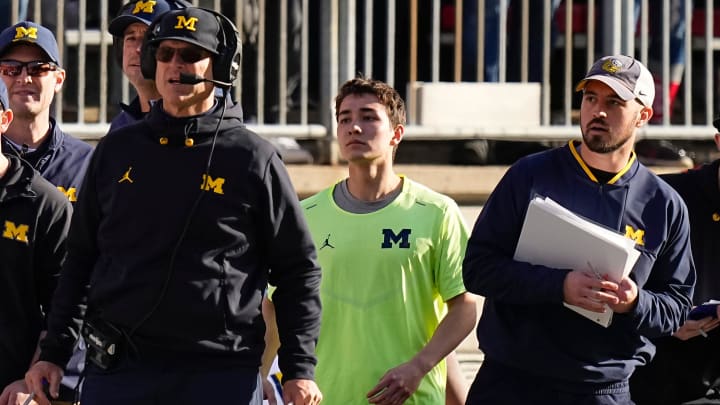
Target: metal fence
x=297, y=52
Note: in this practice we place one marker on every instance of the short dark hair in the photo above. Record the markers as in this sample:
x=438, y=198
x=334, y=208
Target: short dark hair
x=385, y=93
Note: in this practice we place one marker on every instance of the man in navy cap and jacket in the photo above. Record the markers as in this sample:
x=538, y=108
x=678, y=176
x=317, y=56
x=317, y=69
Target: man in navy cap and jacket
x=31, y=68
x=128, y=29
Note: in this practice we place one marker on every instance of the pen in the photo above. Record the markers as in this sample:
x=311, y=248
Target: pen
x=29, y=398
x=597, y=275
x=703, y=333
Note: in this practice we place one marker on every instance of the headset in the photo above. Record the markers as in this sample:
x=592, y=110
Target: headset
x=226, y=64
x=127, y=9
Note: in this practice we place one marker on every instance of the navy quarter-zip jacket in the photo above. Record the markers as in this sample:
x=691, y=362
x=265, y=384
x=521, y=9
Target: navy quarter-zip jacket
x=524, y=324
x=62, y=160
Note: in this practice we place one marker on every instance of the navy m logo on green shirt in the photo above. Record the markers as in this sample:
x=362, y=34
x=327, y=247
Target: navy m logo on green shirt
x=402, y=239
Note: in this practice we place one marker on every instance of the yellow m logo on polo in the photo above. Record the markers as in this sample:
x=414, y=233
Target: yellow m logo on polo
x=15, y=232
x=22, y=32
x=186, y=23
x=70, y=193
x=144, y=7
x=212, y=184
x=637, y=235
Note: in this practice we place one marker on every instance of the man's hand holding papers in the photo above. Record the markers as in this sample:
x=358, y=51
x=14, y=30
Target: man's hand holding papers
x=599, y=258
x=627, y=294
x=590, y=291
x=585, y=290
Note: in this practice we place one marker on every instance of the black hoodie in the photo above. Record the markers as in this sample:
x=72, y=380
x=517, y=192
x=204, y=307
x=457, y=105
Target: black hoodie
x=152, y=214
x=34, y=221
x=699, y=189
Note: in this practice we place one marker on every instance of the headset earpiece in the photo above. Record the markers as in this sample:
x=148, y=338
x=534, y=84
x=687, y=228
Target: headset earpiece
x=148, y=65
x=227, y=63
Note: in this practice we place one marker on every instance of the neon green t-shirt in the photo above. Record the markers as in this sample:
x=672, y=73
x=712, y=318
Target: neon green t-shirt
x=386, y=277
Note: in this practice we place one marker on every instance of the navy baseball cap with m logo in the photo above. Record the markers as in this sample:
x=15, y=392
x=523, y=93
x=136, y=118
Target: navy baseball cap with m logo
x=28, y=32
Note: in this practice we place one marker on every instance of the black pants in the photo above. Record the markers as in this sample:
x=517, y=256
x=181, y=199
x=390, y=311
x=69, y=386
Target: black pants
x=496, y=384
x=141, y=383
x=681, y=371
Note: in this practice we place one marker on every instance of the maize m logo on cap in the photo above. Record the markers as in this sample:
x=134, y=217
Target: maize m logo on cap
x=144, y=7
x=612, y=66
x=185, y=23
x=25, y=33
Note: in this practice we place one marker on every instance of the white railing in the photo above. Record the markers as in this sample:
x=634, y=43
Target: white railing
x=299, y=51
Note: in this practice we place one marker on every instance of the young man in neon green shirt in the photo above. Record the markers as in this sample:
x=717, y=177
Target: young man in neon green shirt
x=391, y=250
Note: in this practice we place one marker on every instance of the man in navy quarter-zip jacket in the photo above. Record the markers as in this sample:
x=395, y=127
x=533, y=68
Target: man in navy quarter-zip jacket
x=31, y=68
x=537, y=351
x=183, y=215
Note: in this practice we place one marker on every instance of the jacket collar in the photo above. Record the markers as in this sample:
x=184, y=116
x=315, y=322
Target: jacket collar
x=133, y=109
x=45, y=152
x=575, y=151
x=169, y=130
x=17, y=181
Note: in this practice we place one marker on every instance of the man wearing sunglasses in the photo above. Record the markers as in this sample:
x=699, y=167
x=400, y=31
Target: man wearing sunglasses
x=30, y=68
x=128, y=29
x=183, y=216
x=34, y=221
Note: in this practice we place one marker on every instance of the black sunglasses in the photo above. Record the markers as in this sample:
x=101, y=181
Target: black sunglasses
x=187, y=55
x=33, y=68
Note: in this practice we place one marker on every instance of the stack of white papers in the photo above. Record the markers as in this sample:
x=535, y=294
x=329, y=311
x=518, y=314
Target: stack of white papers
x=555, y=237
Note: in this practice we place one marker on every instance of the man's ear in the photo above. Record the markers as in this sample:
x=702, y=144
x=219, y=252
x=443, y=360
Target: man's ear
x=398, y=133
x=644, y=116
x=6, y=118
x=59, y=79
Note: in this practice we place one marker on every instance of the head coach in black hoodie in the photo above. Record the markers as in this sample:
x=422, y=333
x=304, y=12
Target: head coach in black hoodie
x=185, y=218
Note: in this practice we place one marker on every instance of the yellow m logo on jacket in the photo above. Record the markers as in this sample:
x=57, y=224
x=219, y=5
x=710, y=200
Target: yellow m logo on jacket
x=637, y=235
x=70, y=193
x=15, y=232
x=215, y=185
